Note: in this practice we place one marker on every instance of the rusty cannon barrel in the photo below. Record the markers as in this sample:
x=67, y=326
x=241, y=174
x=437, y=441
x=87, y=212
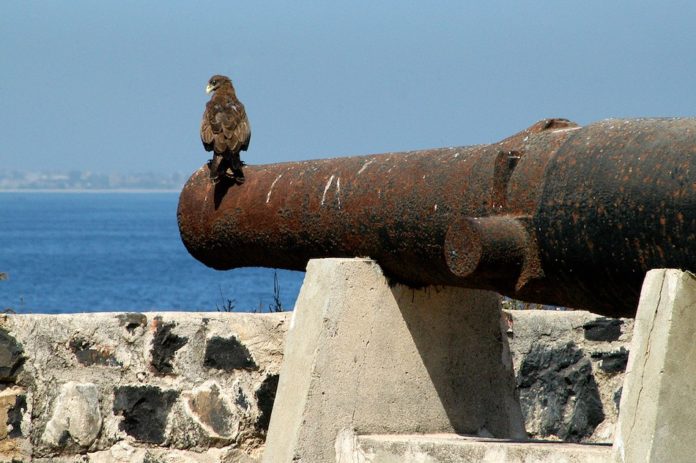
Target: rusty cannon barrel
x=556, y=214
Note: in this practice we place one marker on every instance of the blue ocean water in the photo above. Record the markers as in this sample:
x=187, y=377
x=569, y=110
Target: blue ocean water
x=93, y=252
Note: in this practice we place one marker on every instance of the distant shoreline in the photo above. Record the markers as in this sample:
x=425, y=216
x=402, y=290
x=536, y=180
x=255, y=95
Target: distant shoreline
x=82, y=190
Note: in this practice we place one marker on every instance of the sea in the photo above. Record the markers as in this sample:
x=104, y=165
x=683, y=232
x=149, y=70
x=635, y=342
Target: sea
x=71, y=252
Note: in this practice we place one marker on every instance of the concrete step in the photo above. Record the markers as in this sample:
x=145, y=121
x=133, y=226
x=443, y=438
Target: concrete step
x=450, y=448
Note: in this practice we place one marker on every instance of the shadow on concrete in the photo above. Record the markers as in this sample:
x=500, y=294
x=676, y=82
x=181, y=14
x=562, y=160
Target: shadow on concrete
x=458, y=336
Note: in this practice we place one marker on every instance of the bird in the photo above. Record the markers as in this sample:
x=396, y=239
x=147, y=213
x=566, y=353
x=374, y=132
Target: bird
x=225, y=130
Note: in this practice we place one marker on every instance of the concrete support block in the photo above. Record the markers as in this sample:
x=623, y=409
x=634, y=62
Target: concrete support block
x=366, y=357
x=657, y=415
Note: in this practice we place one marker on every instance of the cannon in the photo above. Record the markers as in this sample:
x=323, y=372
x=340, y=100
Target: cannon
x=556, y=214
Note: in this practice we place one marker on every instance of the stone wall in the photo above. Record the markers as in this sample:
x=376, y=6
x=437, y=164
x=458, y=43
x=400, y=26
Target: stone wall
x=569, y=368
x=129, y=387
x=199, y=387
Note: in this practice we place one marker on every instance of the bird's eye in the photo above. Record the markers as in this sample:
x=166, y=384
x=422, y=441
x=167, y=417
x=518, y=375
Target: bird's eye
x=213, y=82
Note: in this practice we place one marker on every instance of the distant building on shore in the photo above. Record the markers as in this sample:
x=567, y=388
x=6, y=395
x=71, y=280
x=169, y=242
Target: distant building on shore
x=79, y=180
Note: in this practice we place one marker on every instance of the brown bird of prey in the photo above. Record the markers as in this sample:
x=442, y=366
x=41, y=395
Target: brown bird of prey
x=224, y=130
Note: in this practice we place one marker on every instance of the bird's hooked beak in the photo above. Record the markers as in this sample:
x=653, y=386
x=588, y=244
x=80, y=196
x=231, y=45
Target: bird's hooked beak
x=208, y=88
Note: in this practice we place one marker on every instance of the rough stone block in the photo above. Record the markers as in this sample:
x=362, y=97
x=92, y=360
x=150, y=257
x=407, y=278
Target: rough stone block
x=265, y=396
x=145, y=410
x=164, y=346
x=612, y=362
x=13, y=405
x=570, y=406
x=567, y=380
x=603, y=329
x=76, y=416
x=209, y=406
x=228, y=354
x=132, y=321
x=11, y=357
x=88, y=355
x=16, y=417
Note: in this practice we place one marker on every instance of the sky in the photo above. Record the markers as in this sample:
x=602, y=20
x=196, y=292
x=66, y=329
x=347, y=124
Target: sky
x=119, y=86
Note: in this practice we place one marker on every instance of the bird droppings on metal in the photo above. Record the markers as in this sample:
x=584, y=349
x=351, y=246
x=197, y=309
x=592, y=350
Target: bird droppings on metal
x=326, y=188
x=364, y=166
x=270, y=190
x=338, y=192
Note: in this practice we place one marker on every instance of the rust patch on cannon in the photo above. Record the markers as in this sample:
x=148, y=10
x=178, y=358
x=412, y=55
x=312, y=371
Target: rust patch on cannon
x=557, y=214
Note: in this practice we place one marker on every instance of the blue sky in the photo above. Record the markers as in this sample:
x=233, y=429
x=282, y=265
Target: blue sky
x=119, y=86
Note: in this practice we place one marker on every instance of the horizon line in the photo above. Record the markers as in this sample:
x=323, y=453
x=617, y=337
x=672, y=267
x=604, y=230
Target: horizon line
x=88, y=190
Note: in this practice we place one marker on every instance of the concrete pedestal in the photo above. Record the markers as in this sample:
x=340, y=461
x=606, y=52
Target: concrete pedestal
x=657, y=421
x=364, y=357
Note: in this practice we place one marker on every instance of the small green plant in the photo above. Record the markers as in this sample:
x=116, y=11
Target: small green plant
x=230, y=305
x=276, y=305
x=226, y=305
x=5, y=276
